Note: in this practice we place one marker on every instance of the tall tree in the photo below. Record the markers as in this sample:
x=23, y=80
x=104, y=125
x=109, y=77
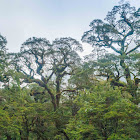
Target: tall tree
x=3, y=60
x=119, y=33
x=47, y=64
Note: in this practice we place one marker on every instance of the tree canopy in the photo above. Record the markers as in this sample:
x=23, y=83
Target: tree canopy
x=48, y=92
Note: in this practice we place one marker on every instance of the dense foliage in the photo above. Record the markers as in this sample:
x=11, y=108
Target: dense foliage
x=47, y=92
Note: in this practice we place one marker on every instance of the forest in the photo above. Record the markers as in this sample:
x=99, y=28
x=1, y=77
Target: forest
x=49, y=92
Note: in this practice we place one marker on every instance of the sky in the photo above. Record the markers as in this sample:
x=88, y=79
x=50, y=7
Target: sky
x=22, y=19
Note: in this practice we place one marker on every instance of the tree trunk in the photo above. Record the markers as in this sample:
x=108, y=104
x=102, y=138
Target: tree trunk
x=131, y=86
x=52, y=97
x=8, y=137
x=58, y=79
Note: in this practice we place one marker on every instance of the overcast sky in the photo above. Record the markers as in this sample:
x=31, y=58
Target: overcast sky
x=21, y=19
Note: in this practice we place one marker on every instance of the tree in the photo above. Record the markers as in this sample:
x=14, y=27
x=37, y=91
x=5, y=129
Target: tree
x=3, y=43
x=3, y=60
x=119, y=32
x=104, y=114
x=84, y=71
x=23, y=118
x=49, y=66
x=107, y=67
